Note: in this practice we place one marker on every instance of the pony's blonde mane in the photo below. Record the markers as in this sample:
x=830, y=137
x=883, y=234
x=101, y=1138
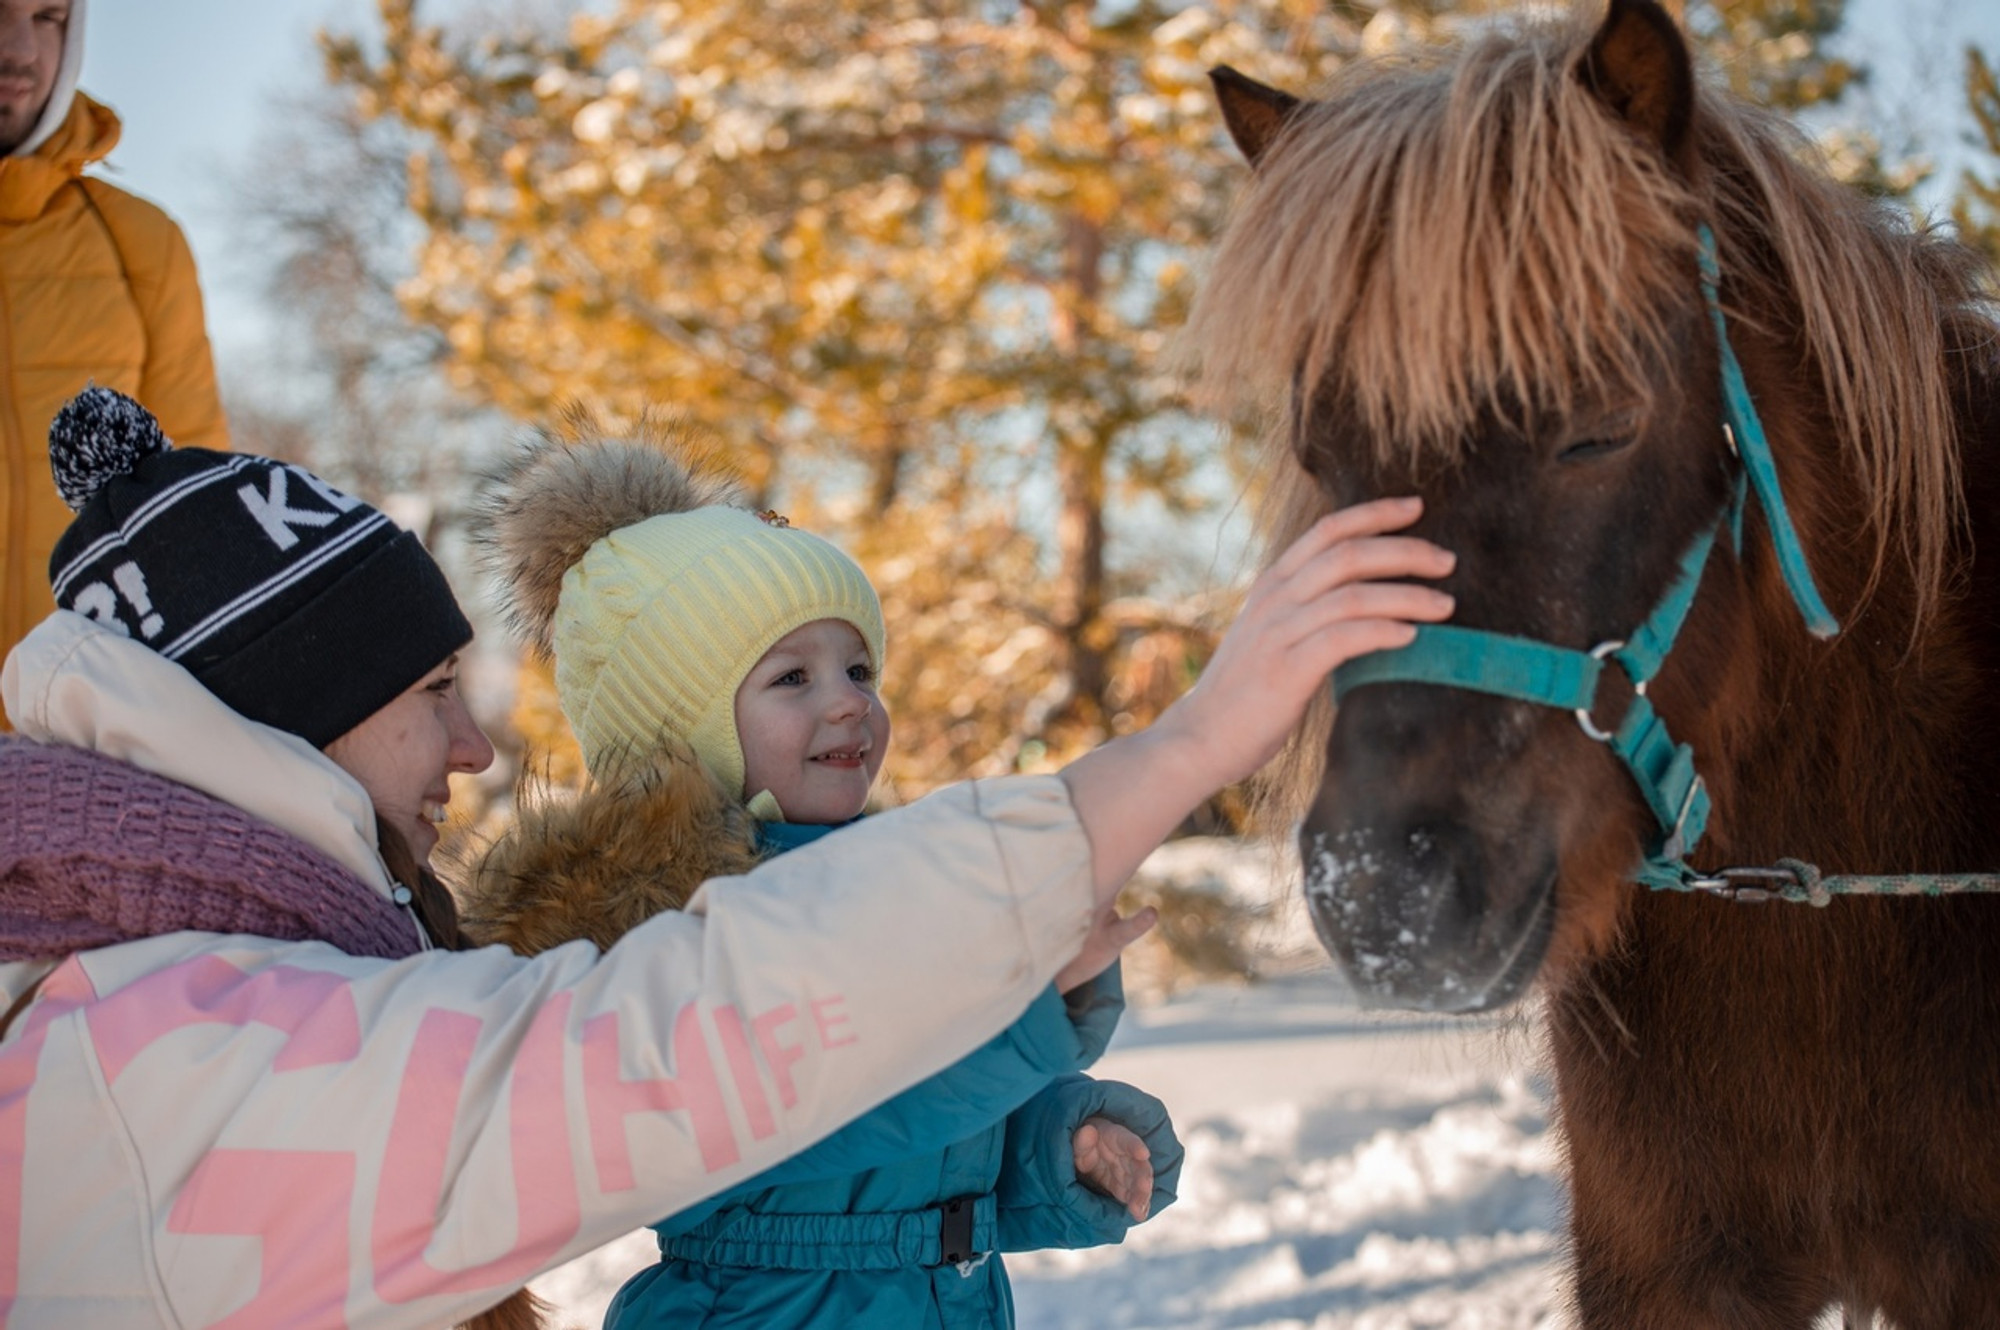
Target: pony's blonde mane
x=1469, y=232
x=1444, y=234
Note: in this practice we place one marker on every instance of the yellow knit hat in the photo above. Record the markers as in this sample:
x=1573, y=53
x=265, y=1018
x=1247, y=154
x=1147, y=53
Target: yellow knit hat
x=659, y=624
x=655, y=590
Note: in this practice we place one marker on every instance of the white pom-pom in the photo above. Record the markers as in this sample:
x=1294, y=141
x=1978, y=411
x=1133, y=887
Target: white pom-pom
x=98, y=436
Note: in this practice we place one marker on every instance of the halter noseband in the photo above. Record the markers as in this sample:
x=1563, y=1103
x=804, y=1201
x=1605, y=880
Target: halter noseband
x=1529, y=671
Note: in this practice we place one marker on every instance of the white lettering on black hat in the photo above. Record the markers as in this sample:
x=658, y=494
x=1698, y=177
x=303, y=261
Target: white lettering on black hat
x=275, y=514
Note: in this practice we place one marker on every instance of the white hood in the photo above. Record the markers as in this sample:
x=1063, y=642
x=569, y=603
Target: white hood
x=64, y=91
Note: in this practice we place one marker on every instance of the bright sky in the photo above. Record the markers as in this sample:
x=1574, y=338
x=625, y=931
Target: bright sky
x=194, y=79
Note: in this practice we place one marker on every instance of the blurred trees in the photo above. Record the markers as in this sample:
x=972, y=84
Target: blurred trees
x=352, y=383
x=1977, y=210
x=1786, y=54
x=917, y=263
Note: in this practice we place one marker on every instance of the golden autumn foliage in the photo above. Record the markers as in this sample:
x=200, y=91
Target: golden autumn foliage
x=917, y=263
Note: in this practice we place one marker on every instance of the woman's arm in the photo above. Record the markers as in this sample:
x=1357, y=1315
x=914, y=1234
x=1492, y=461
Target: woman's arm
x=475, y=1117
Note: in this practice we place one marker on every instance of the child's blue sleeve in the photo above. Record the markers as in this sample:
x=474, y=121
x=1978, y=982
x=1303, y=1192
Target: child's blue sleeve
x=1055, y=1035
x=1094, y=1009
x=1042, y=1201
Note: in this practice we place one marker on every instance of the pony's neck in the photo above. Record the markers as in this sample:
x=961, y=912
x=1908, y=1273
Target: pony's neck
x=1874, y=752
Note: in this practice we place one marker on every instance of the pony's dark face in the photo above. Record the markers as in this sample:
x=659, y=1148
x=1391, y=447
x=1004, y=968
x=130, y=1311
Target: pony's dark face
x=1507, y=320
x=1447, y=821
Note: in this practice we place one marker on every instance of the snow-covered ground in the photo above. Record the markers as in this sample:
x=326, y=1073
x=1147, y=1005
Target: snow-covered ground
x=1344, y=1169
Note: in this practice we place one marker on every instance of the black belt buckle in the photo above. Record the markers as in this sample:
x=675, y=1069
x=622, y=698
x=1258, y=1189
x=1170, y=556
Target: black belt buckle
x=955, y=1231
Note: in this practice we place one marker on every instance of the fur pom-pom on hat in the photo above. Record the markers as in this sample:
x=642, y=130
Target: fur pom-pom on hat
x=569, y=487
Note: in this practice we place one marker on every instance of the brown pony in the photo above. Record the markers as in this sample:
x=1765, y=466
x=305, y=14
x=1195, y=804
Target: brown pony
x=1476, y=276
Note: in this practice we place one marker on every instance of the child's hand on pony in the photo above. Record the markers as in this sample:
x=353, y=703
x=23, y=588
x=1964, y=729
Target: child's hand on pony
x=1112, y=1161
x=1110, y=934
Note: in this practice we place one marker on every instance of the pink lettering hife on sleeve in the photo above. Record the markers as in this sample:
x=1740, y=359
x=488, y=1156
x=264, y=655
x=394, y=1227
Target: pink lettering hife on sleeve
x=413, y=1183
x=612, y=1098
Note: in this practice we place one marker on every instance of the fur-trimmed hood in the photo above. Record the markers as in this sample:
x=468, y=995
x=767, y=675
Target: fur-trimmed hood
x=597, y=863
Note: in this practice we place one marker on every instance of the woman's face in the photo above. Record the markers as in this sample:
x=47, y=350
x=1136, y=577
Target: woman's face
x=404, y=754
x=812, y=729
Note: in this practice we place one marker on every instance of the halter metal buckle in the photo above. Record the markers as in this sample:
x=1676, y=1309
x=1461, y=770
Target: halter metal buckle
x=1600, y=652
x=1744, y=886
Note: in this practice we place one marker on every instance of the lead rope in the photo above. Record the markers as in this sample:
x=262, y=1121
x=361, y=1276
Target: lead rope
x=1801, y=883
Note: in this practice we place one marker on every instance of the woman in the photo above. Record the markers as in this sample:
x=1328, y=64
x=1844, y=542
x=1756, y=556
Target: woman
x=239, y=1086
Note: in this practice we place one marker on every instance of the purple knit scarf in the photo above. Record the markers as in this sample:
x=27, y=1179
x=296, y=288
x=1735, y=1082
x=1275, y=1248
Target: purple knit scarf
x=95, y=852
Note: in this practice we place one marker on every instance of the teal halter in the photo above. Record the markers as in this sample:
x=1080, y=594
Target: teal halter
x=1552, y=676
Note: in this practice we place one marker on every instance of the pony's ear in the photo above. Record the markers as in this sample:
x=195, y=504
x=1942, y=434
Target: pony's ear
x=1254, y=112
x=1638, y=66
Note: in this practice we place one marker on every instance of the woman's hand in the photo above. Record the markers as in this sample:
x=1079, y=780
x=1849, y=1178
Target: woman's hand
x=1326, y=600
x=1114, y=1162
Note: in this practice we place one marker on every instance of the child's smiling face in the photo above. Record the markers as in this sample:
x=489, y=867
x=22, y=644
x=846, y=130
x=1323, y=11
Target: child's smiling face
x=812, y=728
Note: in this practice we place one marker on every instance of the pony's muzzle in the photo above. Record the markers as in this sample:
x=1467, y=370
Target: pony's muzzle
x=1416, y=919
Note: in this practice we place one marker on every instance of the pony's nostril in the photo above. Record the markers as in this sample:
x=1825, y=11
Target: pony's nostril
x=1411, y=914
x=1398, y=893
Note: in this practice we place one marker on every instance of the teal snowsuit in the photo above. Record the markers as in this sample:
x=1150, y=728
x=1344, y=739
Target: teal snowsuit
x=897, y=1219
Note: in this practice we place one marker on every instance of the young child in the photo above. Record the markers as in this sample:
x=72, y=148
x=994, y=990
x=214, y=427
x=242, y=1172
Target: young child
x=719, y=669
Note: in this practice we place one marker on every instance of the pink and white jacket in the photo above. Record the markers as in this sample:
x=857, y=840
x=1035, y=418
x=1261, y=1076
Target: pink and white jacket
x=199, y=1130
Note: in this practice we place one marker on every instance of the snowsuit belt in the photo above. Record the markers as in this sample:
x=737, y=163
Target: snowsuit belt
x=946, y=1234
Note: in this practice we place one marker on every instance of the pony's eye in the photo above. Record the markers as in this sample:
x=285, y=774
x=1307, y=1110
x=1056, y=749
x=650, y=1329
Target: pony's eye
x=1585, y=449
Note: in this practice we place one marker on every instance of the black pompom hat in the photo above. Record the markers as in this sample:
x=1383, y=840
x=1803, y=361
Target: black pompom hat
x=298, y=605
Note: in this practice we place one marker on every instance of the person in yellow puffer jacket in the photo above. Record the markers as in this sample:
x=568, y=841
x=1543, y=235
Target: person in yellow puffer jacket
x=96, y=286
